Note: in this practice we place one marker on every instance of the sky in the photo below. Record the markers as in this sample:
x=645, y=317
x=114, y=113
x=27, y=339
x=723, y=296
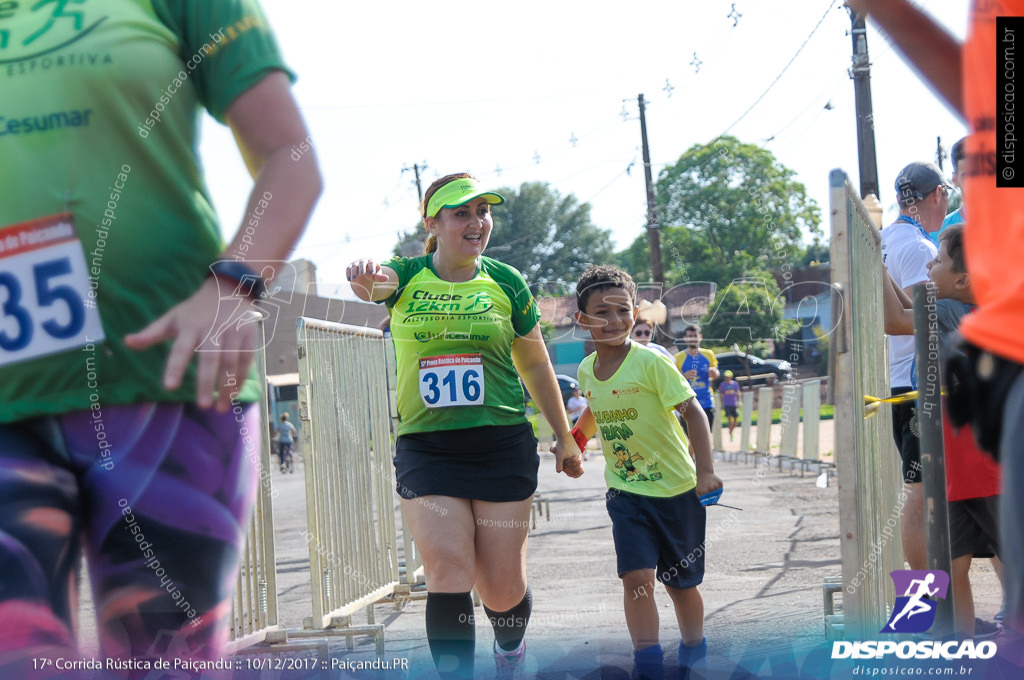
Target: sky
x=546, y=91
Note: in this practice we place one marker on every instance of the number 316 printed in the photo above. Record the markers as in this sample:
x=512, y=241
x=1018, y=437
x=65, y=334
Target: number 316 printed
x=460, y=386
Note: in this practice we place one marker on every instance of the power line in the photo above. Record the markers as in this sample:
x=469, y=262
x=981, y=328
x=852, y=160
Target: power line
x=624, y=171
x=781, y=73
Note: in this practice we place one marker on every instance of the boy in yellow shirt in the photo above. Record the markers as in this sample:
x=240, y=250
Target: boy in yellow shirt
x=658, y=522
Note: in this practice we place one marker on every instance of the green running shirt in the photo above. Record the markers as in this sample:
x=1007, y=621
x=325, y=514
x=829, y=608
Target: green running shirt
x=105, y=220
x=453, y=345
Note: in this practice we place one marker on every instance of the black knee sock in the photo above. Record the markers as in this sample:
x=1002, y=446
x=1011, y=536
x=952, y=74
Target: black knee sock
x=450, y=633
x=510, y=626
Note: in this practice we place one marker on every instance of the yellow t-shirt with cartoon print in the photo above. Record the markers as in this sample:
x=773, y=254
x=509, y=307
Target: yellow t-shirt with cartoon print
x=645, y=449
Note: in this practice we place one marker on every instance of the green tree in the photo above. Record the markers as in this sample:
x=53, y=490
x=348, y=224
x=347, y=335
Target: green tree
x=746, y=311
x=816, y=253
x=728, y=210
x=411, y=243
x=684, y=258
x=546, y=236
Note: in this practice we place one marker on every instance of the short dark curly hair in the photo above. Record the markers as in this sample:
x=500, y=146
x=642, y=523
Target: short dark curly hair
x=958, y=153
x=599, y=277
x=953, y=237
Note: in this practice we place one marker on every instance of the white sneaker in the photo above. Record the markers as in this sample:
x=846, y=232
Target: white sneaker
x=509, y=664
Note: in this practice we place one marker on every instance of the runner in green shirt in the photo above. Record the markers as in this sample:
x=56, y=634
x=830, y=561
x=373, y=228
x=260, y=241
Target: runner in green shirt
x=466, y=458
x=113, y=273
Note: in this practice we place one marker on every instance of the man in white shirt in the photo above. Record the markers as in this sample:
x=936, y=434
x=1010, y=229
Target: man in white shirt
x=906, y=252
x=576, y=405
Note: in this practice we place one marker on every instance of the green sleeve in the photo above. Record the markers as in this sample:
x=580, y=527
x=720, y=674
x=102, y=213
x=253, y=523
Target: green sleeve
x=226, y=47
x=405, y=268
x=525, y=313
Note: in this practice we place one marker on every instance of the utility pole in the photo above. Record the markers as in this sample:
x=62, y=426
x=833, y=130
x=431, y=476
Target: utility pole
x=861, y=74
x=653, y=229
x=940, y=153
x=415, y=248
x=416, y=171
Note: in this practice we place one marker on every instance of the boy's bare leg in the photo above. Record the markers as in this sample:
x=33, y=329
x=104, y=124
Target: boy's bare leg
x=912, y=526
x=997, y=567
x=641, y=611
x=689, y=606
x=963, y=597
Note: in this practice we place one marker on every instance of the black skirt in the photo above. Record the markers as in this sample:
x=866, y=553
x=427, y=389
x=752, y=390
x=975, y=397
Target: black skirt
x=496, y=463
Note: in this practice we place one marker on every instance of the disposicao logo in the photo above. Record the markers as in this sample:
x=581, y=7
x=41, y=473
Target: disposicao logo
x=912, y=613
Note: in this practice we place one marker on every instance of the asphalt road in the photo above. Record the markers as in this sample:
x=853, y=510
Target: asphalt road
x=765, y=569
x=762, y=590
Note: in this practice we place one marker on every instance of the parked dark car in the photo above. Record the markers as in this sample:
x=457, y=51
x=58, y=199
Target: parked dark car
x=566, y=385
x=762, y=371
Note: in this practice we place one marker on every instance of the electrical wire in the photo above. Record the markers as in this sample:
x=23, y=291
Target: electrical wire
x=781, y=73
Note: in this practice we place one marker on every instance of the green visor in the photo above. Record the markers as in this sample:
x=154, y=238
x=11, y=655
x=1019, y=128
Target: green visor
x=459, y=192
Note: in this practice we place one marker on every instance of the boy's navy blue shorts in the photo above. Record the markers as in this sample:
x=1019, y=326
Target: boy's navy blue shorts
x=664, y=534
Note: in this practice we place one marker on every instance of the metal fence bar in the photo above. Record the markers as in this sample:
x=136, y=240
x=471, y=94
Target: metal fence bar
x=347, y=441
x=933, y=463
x=747, y=420
x=869, y=480
x=790, y=420
x=765, y=397
x=812, y=419
x=254, y=606
x=410, y=563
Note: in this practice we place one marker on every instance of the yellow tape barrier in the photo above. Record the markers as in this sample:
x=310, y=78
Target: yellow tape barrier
x=872, y=404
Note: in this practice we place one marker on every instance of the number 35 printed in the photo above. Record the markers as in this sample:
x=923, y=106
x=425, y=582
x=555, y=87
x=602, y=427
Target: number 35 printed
x=43, y=306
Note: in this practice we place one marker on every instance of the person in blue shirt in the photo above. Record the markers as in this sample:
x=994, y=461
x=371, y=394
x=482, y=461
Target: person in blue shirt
x=286, y=438
x=957, y=155
x=700, y=367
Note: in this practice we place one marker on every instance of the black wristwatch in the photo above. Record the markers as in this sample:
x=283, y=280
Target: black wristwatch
x=249, y=282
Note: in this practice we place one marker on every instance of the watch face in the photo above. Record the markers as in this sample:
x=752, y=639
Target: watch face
x=249, y=283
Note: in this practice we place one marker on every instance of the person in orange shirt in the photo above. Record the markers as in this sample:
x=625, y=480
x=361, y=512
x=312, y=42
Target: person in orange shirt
x=977, y=79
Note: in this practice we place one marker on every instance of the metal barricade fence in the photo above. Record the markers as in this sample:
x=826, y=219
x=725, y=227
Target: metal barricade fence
x=869, y=480
x=254, y=605
x=790, y=420
x=410, y=564
x=812, y=419
x=747, y=420
x=797, y=421
x=765, y=395
x=346, y=438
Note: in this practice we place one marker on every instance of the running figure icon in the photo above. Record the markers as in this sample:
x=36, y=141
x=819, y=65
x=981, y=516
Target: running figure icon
x=916, y=585
x=914, y=604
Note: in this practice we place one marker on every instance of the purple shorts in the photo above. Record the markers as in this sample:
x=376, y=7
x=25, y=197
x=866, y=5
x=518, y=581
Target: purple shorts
x=156, y=496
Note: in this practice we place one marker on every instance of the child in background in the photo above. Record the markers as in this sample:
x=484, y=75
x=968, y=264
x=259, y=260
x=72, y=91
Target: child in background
x=730, y=391
x=658, y=522
x=972, y=478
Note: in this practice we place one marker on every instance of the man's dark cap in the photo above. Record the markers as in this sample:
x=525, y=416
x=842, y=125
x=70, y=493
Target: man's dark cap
x=917, y=180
